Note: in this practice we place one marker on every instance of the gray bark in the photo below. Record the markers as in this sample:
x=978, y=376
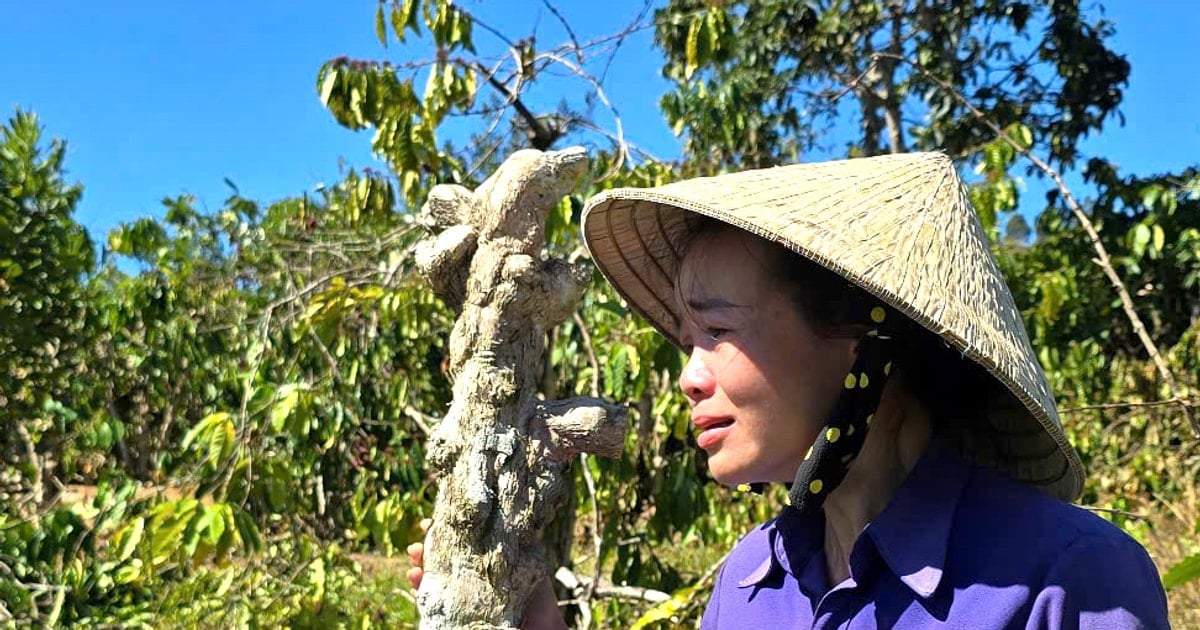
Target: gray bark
x=500, y=455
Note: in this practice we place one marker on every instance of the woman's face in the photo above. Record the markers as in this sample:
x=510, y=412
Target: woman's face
x=760, y=380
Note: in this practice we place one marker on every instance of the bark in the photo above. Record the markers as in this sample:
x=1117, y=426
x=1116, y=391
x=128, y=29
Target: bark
x=500, y=455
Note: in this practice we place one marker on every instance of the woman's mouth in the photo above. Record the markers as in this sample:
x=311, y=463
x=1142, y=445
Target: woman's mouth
x=712, y=431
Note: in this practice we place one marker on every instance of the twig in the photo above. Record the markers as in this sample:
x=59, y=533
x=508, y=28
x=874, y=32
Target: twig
x=35, y=465
x=1092, y=508
x=591, y=354
x=1129, y=405
x=622, y=146
x=633, y=27
x=1101, y=252
x=597, y=541
x=541, y=134
x=569, y=579
x=566, y=26
x=424, y=421
x=489, y=28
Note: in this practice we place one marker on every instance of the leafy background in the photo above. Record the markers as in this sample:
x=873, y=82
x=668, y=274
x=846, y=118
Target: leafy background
x=218, y=415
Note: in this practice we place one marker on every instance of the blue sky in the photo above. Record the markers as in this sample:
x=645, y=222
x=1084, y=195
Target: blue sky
x=161, y=98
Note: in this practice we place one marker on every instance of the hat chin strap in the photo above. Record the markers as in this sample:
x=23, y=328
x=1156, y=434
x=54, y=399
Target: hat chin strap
x=827, y=461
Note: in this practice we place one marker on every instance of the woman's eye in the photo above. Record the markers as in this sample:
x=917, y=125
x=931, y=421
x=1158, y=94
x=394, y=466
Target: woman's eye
x=715, y=333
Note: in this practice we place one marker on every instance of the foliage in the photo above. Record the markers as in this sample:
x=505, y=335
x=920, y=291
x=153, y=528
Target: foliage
x=760, y=100
x=44, y=255
x=1186, y=571
x=268, y=360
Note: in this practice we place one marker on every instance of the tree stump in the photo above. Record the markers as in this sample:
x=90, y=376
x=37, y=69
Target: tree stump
x=500, y=455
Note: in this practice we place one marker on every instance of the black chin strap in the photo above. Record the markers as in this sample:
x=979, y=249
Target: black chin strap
x=826, y=463
x=828, y=460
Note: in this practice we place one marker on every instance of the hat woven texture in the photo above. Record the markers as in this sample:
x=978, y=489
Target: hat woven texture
x=900, y=227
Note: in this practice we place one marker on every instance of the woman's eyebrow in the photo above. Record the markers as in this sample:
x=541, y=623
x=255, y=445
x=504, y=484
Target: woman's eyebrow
x=712, y=304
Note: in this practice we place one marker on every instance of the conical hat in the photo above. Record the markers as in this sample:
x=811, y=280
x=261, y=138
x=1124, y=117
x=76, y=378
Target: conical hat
x=900, y=227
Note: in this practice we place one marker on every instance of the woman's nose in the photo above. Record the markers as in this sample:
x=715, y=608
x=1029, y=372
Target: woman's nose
x=697, y=380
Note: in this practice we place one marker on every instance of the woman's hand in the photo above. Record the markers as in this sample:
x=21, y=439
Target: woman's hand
x=541, y=611
x=416, y=555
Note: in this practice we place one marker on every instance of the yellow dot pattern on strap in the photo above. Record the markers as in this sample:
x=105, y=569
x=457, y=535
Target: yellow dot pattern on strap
x=833, y=434
x=850, y=430
x=878, y=314
x=887, y=368
x=815, y=486
x=808, y=453
x=863, y=381
x=870, y=418
x=851, y=381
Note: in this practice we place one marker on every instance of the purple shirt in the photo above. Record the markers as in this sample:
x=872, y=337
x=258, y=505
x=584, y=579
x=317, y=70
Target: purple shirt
x=957, y=547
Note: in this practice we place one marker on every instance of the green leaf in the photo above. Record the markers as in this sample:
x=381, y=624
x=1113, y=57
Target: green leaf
x=1139, y=239
x=247, y=530
x=128, y=573
x=1150, y=195
x=400, y=18
x=380, y=25
x=127, y=538
x=213, y=437
x=1022, y=134
x=409, y=16
x=1185, y=571
x=285, y=403
x=1160, y=238
x=168, y=522
x=666, y=611
x=691, y=49
x=215, y=523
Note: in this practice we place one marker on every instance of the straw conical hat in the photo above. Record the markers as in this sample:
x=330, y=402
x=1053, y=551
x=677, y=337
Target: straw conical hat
x=900, y=227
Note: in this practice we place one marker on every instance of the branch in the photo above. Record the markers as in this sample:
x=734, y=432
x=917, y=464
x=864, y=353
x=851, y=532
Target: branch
x=567, y=578
x=541, y=135
x=1101, y=252
x=566, y=26
x=597, y=541
x=1092, y=508
x=634, y=26
x=622, y=146
x=591, y=354
x=424, y=421
x=35, y=465
x=1131, y=405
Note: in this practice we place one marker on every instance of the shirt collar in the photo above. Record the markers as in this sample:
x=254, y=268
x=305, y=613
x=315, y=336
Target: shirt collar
x=790, y=541
x=911, y=534
x=913, y=531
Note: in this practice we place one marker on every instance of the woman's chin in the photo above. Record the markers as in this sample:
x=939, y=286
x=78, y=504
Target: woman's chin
x=729, y=475
x=732, y=474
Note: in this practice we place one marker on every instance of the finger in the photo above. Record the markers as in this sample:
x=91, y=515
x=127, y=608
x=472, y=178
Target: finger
x=425, y=523
x=414, y=577
x=416, y=553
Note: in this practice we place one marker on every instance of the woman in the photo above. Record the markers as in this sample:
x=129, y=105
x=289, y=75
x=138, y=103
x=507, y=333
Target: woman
x=848, y=334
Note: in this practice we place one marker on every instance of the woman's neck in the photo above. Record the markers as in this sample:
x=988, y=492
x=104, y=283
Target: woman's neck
x=898, y=436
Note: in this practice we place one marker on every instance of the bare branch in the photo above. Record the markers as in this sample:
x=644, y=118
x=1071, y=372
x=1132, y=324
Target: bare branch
x=1131, y=405
x=569, y=579
x=591, y=354
x=1092, y=508
x=566, y=26
x=633, y=27
x=622, y=146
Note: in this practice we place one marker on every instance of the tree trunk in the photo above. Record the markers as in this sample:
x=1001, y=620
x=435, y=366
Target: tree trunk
x=500, y=456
